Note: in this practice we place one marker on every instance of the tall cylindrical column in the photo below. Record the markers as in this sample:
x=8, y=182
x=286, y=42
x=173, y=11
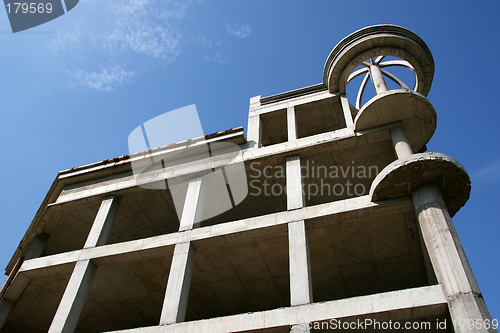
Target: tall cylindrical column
x=400, y=142
x=377, y=79
x=449, y=262
x=467, y=308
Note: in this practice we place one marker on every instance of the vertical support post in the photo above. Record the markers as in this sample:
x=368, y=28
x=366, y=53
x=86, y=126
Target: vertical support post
x=74, y=297
x=254, y=124
x=75, y=294
x=101, y=227
x=348, y=116
x=448, y=259
x=37, y=246
x=300, y=328
x=191, y=205
x=377, y=79
x=294, y=194
x=300, y=265
x=179, y=280
x=35, y=251
x=451, y=266
x=181, y=269
x=400, y=142
x=291, y=123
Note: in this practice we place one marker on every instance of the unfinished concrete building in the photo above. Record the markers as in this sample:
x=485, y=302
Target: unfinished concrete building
x=344, y=219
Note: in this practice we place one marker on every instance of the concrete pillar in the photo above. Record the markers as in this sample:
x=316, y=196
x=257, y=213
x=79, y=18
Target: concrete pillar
x=37, y=247
x=5, y=307
x=254, y=133
x=74, y=297
x=101, y=227
x=179, y=280
x=400, y=142
x=35, y=251
x=348, y=116
x=294, y=194
x=448, y=259
x=300, y=328
x=190, y=211
x=75, y=294
x=181, y=269
x=300, y=265
x=451, y=266
x=377, y=79
x=291, y=123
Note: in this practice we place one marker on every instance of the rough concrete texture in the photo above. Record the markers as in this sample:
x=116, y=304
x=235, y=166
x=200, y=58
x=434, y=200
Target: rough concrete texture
x=295, y=252
x=403, y=176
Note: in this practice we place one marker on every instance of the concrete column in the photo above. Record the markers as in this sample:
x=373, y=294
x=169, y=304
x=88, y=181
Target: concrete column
x=400, y=142
x=179, y=280
x=74, y=297
x=377, y=79
x=191, y=205
x=348, y=116
x=37, y=247
x=451, y=266
x=254, y=131
x=448, y=259
x=181, y=269
x=300, y=266
x=35, y=251
x=254, y=134
x=5, y=307
x=291, y=123
x=300, y=328
x=294, y=194
x=101, y=227
x=75, y=294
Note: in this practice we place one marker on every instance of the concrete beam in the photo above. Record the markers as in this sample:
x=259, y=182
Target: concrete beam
x=12, y=293
x=149, y=247
x=128, y=181
x=179, y=281
x=75, y=294
x=299, y=100
x=451, y=266
x=308, y=313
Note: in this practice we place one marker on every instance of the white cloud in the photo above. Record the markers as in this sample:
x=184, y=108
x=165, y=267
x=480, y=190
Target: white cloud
x=490, y=171
x=239, y=30
x=217, y=58
x=207, y=42
x=65, y=40
x=105, y=80
x=114, y=40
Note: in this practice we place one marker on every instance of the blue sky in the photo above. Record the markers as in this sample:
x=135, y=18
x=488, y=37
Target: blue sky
x=73, y=89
